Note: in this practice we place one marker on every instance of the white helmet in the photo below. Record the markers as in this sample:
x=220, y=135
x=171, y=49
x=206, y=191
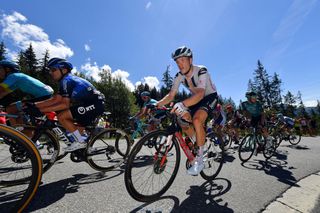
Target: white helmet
x=181, y=52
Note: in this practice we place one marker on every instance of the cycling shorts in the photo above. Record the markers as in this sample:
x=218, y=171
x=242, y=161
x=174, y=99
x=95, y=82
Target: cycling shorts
x=208, y=104
x=86, y=113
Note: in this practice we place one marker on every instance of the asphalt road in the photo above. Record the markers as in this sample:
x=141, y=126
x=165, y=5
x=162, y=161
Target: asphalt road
x=249, y=187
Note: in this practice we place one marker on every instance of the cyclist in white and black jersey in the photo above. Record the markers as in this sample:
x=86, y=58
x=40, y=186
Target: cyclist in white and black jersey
x=197, y=107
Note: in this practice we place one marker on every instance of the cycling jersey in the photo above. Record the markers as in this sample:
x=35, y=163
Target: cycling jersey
x=287, y=120
x=26, y=84
x=200, y=79
x=79, y=90
x=255, y=109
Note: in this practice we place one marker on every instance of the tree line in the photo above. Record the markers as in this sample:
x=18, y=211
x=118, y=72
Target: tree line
x=122, y=103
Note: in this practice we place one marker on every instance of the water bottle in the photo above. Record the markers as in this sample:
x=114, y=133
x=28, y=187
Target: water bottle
x=189, y=143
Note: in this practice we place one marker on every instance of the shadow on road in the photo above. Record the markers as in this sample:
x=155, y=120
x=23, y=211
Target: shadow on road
x=204, y=198
x=52, y=192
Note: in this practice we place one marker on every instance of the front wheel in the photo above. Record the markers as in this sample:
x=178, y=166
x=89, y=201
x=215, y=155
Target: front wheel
x=270, y=146
x=151, y=170
x=108, y=149
x=213, y=158
x=294, y=138
x=247, y=147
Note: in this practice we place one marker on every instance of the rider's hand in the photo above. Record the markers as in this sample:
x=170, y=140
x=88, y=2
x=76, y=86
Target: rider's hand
x=179, y=108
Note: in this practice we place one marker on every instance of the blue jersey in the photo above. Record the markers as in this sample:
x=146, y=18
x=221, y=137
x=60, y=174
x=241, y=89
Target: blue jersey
x=78, y=89
x=26, y=84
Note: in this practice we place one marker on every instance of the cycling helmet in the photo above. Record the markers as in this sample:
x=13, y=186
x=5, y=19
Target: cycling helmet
x=250, y=93
x=280, y=115
x=145, y=93
x=60, y=64
x=12, y=65
x=181, y=52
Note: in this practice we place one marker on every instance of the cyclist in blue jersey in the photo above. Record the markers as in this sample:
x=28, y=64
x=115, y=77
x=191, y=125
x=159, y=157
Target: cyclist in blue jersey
x=145, y=110
x=77, y=101
x=12, y=79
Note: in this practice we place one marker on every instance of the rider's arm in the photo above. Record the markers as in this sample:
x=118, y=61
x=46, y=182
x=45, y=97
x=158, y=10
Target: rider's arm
x=167, y=99
x=195, y=98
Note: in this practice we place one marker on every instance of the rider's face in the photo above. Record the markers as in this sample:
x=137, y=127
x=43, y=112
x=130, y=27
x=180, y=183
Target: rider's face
x=145, y=98
x=55, y=73
x=184, y=64
x=253, y=99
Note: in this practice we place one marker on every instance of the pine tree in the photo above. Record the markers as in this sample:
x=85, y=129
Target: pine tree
x=167, y=80
x=262, y=84
x=3, y=51
x=275, y=91
x=289, y=102
x=32, y=66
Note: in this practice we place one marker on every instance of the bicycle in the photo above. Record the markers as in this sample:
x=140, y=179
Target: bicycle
x=293, y=135
x=254, y=141
x=106, y=148
x=20, y=170
x=158, y=154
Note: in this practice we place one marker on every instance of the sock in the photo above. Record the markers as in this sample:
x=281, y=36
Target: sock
x=194, y=138
x=200, y=153
x=78, y=136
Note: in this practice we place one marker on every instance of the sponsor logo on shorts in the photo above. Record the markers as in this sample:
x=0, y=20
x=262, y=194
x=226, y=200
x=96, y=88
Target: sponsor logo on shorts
x=83, y=110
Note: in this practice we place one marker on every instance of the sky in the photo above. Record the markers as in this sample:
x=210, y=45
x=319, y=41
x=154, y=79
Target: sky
x=134, y=39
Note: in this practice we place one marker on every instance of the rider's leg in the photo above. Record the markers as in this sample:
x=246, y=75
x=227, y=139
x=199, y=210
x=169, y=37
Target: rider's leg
x=198, y=121
x=66, y=120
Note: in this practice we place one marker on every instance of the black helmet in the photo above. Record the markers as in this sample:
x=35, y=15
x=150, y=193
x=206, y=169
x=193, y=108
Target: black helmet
x=181, y=52
x=12, y=65
x=250, y=93
x=60, y=64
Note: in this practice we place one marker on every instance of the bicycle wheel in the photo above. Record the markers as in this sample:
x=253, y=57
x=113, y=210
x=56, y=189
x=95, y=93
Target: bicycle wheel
x=213, y=158
x=294, y=138
x=48, y=145
x=247, y=147
x=269, y=147
x=150, y=172
x=23, y=162
x=108, y=149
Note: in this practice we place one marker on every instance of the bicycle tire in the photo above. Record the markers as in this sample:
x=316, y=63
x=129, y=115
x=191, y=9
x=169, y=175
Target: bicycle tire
x=213, y=154
x=294, y=139
x=104, y=150
x=269, y=147
x=248, y=144
x=157, y=163
x=51, y=146
x=20, y=199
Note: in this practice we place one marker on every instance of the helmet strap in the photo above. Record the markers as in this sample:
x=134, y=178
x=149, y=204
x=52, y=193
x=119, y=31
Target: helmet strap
x=188, y=70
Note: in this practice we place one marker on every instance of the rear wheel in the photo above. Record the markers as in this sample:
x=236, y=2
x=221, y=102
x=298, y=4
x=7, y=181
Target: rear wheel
x=247, y=147
x=20, y=169
x=108, y=149
x=46, y=142
x=151, y=170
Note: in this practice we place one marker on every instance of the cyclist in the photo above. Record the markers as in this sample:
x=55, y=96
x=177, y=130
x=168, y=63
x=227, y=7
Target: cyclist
x=287, y=123
x=252, y=109
x=77, y=101
x=195, y=108
x=12, y=79
x=219, y=121
x=145, y=110
x=234, y=119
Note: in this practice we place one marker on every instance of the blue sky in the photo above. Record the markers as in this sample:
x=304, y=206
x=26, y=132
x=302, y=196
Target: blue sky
x=134, y=39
